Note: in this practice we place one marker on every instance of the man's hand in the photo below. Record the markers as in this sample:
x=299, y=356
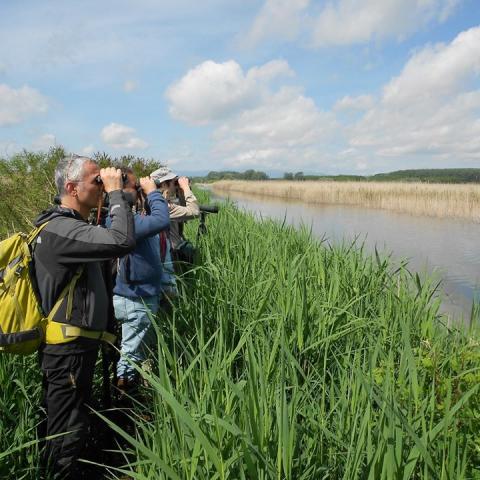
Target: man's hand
x=148, y=185
x=184, y=184
x=111, y=178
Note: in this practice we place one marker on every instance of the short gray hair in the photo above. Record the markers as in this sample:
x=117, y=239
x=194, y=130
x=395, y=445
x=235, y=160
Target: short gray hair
x=70, y=169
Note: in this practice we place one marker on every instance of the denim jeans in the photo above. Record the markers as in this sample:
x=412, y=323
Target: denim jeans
x=137, y=331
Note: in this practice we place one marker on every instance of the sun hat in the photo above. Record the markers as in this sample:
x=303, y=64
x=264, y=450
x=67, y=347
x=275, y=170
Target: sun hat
x=162, y=174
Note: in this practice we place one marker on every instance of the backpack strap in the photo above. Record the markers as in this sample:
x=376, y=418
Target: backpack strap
x=34, y=233
x=67, y=291
x=58, y=332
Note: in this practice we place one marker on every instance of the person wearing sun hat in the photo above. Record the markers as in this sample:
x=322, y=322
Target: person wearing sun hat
x=182, y=205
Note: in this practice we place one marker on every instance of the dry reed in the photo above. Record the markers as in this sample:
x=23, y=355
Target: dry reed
x=436, y=200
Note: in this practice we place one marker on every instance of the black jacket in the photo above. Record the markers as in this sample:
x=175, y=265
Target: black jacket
x=68, y=242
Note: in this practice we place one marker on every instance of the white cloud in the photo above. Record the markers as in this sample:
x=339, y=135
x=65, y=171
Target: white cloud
x=358, y=21
x=437, y=71
x=16, y=105
x=432, y=109
x=447, y=9
x=362, y=102
x=258, y=122
x=212, y=91
x=120, y=136
x=277, y=18
x=427, y=115
x=44, y=142
x=129, y=86
x=344, y=22
x=287, y=128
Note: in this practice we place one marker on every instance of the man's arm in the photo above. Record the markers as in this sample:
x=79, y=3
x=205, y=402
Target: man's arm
x=75, y=241
x=181, y=213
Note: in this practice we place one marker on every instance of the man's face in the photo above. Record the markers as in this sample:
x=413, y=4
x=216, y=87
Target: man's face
x=88, y=190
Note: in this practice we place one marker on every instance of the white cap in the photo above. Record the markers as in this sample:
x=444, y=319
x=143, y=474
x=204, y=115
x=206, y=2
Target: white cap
x=163, y=174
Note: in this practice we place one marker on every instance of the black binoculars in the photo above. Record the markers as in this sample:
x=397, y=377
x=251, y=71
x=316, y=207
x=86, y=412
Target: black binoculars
x=98, y=179
x=158, y=182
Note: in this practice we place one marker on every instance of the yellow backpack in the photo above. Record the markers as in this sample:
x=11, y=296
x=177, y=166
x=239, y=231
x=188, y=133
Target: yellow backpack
x=23, y=324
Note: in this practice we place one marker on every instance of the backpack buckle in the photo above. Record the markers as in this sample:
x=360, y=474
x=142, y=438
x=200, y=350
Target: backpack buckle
x=19, y=270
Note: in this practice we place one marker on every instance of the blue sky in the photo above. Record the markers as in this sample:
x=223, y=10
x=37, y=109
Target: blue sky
x=345, y=86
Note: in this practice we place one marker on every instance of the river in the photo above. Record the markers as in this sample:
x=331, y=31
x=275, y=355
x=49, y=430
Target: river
x=448, y=249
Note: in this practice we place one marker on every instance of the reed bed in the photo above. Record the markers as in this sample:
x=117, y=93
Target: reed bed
x=436, y=200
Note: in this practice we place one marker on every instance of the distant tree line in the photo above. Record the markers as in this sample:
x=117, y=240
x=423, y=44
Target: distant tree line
x=445, y=175
x=340, y=178
x=437, y=175
x=231, y=175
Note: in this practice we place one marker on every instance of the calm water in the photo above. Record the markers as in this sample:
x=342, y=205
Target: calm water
x=447, y=248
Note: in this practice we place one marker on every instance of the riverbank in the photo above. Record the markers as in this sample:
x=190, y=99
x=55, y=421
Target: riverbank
x=436, y=200
x=446, y=248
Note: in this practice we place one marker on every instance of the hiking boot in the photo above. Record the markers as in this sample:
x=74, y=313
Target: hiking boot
x=123, y=384
x=127, y=388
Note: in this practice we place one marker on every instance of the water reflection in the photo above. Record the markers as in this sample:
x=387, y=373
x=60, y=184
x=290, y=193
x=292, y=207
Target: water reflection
x=448, y=248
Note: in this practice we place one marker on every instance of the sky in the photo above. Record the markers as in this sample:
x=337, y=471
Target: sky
x=332, y=87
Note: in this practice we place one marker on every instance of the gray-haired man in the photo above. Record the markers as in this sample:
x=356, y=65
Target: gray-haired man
x=68, y=247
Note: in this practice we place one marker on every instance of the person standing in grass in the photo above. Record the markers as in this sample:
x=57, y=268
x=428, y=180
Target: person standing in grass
x=138, y=282
x=69, y=247
x=182, y=206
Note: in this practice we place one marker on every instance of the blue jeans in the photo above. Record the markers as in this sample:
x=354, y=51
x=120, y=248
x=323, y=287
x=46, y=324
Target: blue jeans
x=137, y=331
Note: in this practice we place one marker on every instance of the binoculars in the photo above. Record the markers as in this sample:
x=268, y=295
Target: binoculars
x=157, y=182
x=98, y=179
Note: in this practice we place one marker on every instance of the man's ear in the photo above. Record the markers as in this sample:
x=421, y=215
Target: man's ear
x=71, y=189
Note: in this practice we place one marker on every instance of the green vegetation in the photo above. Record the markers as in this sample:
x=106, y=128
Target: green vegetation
x=27, y=183
x=446, y=175
x=288, y=359
x=231, y=175
x=300, y=176
x=439, y=175
x=293, y=360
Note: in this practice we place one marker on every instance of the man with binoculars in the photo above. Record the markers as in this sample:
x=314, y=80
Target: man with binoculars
x=71, y=254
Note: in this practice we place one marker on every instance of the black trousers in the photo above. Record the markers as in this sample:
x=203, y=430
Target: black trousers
x=67, y=391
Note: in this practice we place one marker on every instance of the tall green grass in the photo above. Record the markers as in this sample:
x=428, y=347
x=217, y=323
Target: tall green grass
x=19, y=404
x=287, y=359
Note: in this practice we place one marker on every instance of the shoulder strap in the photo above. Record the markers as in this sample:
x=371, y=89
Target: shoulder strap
x=34, y=233
x=68, y=290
